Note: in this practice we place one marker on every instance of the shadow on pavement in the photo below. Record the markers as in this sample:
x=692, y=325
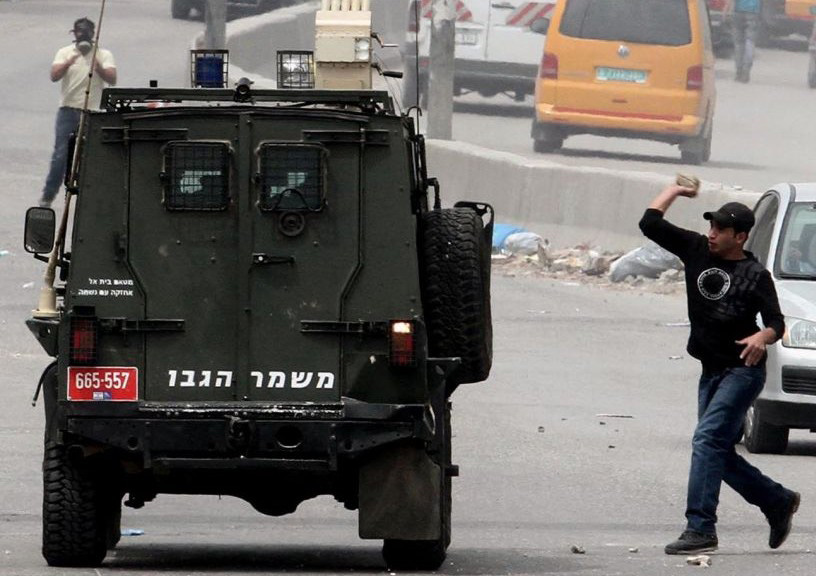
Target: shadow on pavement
x=261, y=559
x=482, y=109
x=647, y=158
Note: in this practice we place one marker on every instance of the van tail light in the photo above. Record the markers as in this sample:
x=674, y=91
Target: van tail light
x=84, y=340
x=549, y=66
x=401, y=343
x=716, y=5
x=694, y=78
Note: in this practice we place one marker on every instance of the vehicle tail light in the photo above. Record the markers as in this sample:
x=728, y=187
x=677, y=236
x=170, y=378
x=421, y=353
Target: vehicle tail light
x=694, y=78
x=401, y=343
x=549, y=66
x=716, y=5
x=84, y=340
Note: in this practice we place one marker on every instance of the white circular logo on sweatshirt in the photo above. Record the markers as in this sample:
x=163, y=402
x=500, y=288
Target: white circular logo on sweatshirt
x=713, y=283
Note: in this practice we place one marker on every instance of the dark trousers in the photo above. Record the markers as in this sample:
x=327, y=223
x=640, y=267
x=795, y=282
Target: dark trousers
x=724, y=398
x=66, y=124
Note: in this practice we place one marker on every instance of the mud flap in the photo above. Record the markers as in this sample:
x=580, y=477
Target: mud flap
x=400, y=495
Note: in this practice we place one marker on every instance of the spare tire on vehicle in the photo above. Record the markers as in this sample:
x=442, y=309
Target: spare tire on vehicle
x=456, y=292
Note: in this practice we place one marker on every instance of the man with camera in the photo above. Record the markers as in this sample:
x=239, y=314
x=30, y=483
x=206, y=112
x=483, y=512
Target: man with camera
x=72, y=66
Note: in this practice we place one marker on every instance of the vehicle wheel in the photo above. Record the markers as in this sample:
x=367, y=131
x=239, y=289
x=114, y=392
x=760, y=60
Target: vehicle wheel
x=75, y=526
x=697, y=150
x=546, y=139
x=426, y=554
x=456, y=292
x=812, y=70
x=761, y=437
x=180, y=9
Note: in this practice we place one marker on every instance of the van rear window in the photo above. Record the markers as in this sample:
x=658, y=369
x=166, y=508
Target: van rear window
x=662, y=22
x=196, y=176
x=291, y=177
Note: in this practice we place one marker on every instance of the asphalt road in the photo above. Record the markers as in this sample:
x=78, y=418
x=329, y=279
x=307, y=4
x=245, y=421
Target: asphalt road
x=541, y=471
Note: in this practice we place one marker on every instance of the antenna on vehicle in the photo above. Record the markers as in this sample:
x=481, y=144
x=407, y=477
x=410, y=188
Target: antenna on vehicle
x=416, y=60
x=47, y=304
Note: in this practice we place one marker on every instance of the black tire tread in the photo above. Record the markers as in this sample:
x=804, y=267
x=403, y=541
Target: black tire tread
x=457, y=291
x=75, y=531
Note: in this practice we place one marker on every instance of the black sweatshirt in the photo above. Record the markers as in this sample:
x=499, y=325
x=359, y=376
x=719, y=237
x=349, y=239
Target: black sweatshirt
x=724, y=296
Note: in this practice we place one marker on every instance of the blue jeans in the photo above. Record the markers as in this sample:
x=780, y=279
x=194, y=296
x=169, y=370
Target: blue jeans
x=66, y=124
x=724, y=398
x=745, y=31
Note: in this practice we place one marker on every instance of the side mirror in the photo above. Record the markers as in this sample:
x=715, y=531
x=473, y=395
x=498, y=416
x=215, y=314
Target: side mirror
x=40, y=229
x=540, y=26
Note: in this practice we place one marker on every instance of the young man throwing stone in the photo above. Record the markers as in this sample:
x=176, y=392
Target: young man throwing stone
x=726, y=288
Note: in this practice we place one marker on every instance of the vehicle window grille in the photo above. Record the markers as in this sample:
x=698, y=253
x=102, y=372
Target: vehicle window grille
x=196, y=176
x=291, y=177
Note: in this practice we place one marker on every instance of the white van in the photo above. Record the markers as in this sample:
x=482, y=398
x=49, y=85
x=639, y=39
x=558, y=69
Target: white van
x=496, y=51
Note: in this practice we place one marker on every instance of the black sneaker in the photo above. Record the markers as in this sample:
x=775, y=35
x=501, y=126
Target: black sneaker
x=781, y=521
x=691, y=542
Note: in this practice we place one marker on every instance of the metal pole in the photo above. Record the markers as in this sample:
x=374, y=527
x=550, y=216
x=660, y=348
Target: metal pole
x=215, y=36
x=440, y=85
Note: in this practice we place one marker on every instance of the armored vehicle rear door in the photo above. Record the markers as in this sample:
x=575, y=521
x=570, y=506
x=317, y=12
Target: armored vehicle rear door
x=183, y=244
x=305, y=228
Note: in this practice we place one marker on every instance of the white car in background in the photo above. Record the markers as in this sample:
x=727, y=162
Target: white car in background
x=183, y=9
x=784, y=240
x=496, y=51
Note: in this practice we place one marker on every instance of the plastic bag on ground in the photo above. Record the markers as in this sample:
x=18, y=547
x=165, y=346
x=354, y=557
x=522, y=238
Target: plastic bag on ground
x=650, y=260
x=525, y=243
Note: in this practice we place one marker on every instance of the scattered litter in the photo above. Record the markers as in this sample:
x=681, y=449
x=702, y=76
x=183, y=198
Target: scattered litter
x=611, y=445
x=575, y=549
x=28, y=285
x=634, y=550
x=526, y=243
x=541, y=429
x=4, y=253
x=132, y=532
x=702, y=560
x=650, y=260
x=675, y=357
x=602, y=423
x=685, y=324
x=7, y=552
x=563, y=419
x=613, y=416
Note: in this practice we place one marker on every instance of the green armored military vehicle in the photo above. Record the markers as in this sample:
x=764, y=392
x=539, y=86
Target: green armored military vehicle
x=261, y=297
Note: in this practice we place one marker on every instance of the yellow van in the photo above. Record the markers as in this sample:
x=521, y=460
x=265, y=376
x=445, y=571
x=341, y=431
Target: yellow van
x=633, y=69
x=804, y=10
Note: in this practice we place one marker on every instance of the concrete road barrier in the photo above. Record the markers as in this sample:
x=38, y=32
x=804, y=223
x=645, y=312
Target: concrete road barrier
x=566, y=204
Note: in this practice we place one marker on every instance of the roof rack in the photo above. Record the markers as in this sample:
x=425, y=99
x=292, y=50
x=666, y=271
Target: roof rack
x=371, y=101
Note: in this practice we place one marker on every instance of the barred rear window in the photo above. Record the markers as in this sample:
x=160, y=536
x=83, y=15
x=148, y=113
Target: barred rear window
x=291, y=177
x=196, y=176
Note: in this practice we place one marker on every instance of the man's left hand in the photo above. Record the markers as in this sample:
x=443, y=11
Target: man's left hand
x=754, y=348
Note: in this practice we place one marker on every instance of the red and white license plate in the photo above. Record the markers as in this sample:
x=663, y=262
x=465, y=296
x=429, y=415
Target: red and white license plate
x=103, y=384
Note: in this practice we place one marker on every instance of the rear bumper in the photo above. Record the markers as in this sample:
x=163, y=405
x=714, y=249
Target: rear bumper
x=217, y=439
x=651, y=127
x=484, y=77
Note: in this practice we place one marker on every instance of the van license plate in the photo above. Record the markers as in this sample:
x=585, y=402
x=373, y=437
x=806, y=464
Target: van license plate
x=467, y=37
x=103, y=384
x=620, y=75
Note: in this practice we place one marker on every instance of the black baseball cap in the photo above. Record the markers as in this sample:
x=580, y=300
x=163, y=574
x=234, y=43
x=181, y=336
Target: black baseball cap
x=80, y=22
x=732, y=215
